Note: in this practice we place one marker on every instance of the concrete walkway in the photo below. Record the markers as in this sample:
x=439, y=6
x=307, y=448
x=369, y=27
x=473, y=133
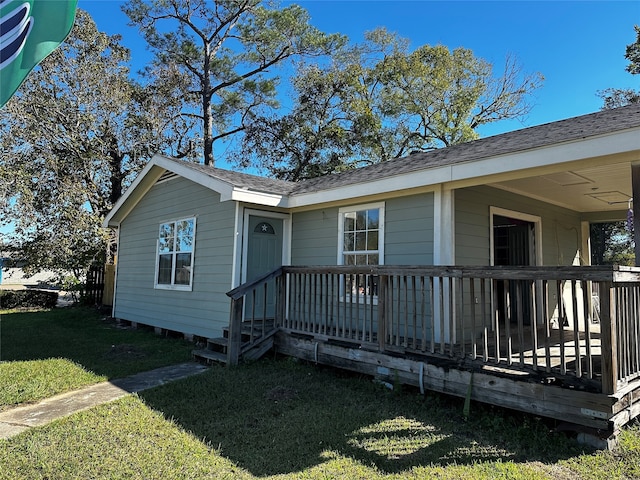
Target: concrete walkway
x=19, y=419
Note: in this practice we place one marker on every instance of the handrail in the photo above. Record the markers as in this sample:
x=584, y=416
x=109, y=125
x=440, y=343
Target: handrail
x=237, y=311
x=241, y=290
x=601, y=273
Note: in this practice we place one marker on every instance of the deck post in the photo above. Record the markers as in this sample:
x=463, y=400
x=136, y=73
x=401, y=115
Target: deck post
x=382, y=312
x=609, y=349
x=635, y=190
x=235, y=327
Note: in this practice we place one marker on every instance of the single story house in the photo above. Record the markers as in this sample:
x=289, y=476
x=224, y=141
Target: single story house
x=464, y=253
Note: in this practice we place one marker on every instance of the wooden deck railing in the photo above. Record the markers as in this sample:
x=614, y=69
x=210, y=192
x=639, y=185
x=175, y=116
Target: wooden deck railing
x=580, y=324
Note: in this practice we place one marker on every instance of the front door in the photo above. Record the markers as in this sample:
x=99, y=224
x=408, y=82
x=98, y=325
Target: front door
x=514, y=245
x=264, y=254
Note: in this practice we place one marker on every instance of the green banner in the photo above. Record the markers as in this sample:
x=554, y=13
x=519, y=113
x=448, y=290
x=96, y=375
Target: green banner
x=29, y=31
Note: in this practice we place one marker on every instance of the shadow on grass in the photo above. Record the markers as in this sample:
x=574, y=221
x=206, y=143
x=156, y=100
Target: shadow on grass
x=87, y=338
x=279, y=416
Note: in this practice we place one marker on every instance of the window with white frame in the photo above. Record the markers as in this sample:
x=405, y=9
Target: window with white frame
x=361, y=242
x=174, y=263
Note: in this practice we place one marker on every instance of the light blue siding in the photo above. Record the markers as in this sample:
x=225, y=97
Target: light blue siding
x=560, y=227
x=204, y=311
x=408, y=233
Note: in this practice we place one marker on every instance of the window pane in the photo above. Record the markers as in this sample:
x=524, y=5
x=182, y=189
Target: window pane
x=166, y=238
x=372, y=240
x=164, y=270
x=361, y=260
x=349, y=259
x=361, y=220
x=184, y=236
x=373, y=259
x=361, y=240
x=183, y=269
x=349, y=242
x=373, y=219
x=349, y=221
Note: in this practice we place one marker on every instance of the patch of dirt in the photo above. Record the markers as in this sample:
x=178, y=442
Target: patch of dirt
x=281, y=394
x=124, y=351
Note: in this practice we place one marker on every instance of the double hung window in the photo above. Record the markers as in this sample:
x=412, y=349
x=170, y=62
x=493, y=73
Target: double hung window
x=361, y=242
x=174, y=263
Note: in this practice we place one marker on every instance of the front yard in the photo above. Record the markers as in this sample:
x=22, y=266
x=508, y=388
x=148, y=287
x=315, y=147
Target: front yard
x=275, y=418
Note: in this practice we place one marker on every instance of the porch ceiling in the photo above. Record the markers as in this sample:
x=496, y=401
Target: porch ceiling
x=604, y=188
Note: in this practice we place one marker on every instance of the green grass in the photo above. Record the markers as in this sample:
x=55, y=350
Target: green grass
x=287, y=420
x=275, y=418
x=46, y=352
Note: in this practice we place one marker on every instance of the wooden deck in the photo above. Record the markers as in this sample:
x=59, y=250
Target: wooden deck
x=560, y=342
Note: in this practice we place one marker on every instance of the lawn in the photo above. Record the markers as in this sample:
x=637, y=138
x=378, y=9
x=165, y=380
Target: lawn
x=282, y=419
x=46, y=352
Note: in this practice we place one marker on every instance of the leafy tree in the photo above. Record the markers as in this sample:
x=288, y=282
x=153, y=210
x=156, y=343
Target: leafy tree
x=379, y=101
x=220, y=55
x=619, y=97
x=611, y=244
x=72, y=138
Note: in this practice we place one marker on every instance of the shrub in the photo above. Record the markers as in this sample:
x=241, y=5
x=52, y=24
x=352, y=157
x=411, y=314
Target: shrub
x=28, y=298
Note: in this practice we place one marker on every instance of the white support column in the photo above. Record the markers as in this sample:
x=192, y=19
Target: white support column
x=444, y=227
x=585, y=244
x=443, y=254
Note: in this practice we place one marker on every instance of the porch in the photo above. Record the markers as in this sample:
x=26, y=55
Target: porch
x=560, y=342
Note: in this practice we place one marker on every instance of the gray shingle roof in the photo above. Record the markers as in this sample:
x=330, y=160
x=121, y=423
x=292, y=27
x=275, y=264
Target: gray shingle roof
x=562, y=131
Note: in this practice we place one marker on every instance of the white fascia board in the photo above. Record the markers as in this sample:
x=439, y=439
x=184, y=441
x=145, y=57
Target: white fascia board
x=147, y=179
x=421, y=178
x=223, y=188
x=581, y=149
x=255, y=197
x=112, y=219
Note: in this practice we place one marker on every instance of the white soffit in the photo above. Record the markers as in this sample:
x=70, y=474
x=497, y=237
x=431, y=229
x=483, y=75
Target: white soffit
x=610, y=198
x=566, y=179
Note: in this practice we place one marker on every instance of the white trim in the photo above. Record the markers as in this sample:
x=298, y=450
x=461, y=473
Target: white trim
x=444, y=232
x=474, y=172
x=115, y=275
x=174, y=253
x=585, y=243
x=286, y=236
x=353, y=208
x=236, y=267
x=537, y=230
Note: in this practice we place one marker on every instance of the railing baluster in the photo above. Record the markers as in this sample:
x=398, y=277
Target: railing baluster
x=432, y=322
x=485, y=322
x=561, y=319
x=586, y=303
x=508, y=313
x=414, y=303
x=519, y=301
x=382, y=312
x=533, y=296
x=495, y=312
x=472, y=310
x=547, y=324
x=576, y=332
x=442, y=310
x=460, y=295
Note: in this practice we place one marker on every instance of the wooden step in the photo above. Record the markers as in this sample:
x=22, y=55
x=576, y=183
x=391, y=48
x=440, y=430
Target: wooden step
x=218, y=344
x=209, y=356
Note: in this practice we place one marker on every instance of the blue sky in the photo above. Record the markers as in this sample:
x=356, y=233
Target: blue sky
x=577, y=45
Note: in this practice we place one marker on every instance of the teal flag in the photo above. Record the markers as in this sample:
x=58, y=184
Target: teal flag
x=29, y=31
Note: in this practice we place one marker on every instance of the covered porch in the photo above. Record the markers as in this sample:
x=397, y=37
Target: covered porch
x=560, y=342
